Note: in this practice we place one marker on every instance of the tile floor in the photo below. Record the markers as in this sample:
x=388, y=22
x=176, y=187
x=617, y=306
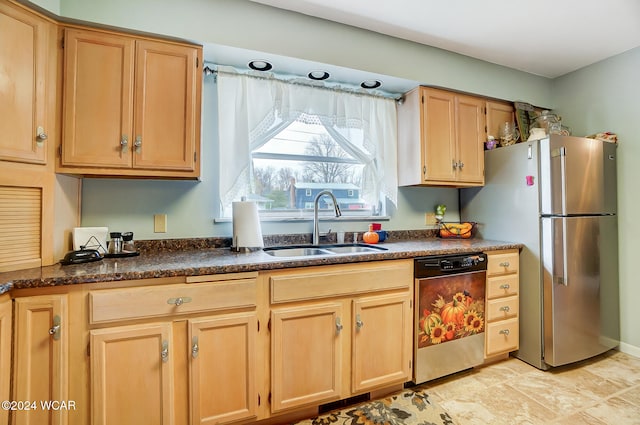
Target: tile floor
x=604, y=390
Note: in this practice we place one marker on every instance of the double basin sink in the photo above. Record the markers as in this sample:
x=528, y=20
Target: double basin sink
x=312, y=250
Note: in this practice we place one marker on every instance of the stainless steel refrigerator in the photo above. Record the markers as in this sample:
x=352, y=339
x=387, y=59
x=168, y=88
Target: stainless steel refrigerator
x=557, y=196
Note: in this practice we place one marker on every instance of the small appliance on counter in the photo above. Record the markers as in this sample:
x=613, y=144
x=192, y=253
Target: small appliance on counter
x=121, y=245
x=81, y=256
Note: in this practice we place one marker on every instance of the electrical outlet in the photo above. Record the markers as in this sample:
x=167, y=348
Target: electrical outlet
x=160, y=223
x=430, y=219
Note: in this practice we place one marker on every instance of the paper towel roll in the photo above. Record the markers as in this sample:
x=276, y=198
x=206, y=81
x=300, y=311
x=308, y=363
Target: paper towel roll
x=246, y=225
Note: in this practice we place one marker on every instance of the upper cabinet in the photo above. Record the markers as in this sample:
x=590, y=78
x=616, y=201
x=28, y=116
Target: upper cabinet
x=441, y=138
x=497, y=114
x=131, y=106
x=24, y=62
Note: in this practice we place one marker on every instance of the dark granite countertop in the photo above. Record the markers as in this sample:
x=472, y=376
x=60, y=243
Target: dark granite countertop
x=218, y=260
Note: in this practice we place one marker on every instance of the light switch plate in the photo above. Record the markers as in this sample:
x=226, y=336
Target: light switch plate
x=160, y=223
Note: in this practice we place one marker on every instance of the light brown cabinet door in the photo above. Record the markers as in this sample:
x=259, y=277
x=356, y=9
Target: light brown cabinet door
x=131, y=106
x=41, y=357
x=306, y=363
x=453, y=138
x=470, y=138
x=498, y=113
x=23, y=84
x=166, y=106
x=439, y=138
x=223, y=368
x=98, y=100
x=132, y=375
x=381, y=350
x=5, y=354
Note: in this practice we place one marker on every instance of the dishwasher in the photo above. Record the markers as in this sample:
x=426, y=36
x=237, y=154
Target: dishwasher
x=449, y=317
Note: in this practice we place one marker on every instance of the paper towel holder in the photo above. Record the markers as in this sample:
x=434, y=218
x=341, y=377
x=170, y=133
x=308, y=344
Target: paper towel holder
x=247, y=233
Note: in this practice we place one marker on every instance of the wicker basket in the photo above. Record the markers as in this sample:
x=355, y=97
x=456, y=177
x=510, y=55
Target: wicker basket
x=464, y=230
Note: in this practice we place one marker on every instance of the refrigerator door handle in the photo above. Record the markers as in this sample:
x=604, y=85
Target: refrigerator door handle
x=561, y=153
x=563, y=177
x=560, y=272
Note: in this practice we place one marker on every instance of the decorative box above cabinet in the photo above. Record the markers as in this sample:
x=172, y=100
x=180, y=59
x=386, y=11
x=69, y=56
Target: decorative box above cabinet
x=131, y=106
x=441, y=138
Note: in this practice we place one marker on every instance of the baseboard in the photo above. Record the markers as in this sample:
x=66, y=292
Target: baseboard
x=629, y=349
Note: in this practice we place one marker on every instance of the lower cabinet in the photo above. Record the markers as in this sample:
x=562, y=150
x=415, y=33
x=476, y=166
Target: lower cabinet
x=41, y=363
x=306, y=363
x=5, y=354
x=192, y=360
x=131, y=375
x=503, y=303
x=333, y=337
x=381, y=341
x=221, y=349
x=222, y=368
x=133, y=369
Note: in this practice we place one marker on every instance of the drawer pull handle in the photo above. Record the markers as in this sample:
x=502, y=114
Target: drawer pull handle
x=505, y=286
x=54, y=331
x=359, y=322
x=179, y=301
x=504, y=332
x=164, y=354
x=338, y=325
x=195, y=349
x=504, y=264
x=505, y=308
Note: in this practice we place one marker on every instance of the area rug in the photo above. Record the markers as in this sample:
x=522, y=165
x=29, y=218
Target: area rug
x=408, y=407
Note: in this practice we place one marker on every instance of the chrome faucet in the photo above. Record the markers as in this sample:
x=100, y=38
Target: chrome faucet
x=316, y=232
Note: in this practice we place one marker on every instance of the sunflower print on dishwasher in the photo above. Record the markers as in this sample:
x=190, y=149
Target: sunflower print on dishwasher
x=410, y=407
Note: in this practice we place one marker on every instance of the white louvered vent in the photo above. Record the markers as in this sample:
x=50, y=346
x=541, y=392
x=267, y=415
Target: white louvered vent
x=20, y=218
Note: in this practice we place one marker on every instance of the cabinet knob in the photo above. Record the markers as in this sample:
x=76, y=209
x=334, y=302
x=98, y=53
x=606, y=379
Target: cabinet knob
x=124, y=144
x=164, y=354
x=338, y=325
x=359, y=322
x=179, y=301
x=505, y=286
x=460, y=164
x=504, y=332
x=54, y=331
x=505, y=264
x=505, y=308
x=454, y=164
x=195, y=349
x=138, y=144
x=41, y=136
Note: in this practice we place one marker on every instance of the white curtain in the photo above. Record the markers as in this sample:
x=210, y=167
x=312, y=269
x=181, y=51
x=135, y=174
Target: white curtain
x=252, y=110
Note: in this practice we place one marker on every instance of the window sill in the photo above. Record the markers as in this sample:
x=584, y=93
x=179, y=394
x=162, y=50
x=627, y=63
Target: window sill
x=310, y=219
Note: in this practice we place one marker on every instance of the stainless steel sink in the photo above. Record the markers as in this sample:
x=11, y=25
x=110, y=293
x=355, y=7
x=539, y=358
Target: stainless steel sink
x=311, y=250
x=354, y=248
x=286, y=251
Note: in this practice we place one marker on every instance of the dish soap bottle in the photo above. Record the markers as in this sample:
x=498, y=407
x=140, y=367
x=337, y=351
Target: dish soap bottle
x=370, y=236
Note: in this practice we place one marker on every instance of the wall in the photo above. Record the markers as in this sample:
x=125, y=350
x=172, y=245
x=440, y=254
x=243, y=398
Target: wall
x=604, y=97
x=130, y=205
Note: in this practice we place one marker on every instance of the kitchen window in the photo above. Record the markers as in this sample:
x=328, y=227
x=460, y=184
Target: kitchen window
x=283, y=143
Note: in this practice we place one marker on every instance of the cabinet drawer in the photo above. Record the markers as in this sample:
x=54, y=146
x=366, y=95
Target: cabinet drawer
x=502, y=308
x=342, y=280
x=506, y=263
x=109, y=305
x=502, y=337
x=502, y=286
